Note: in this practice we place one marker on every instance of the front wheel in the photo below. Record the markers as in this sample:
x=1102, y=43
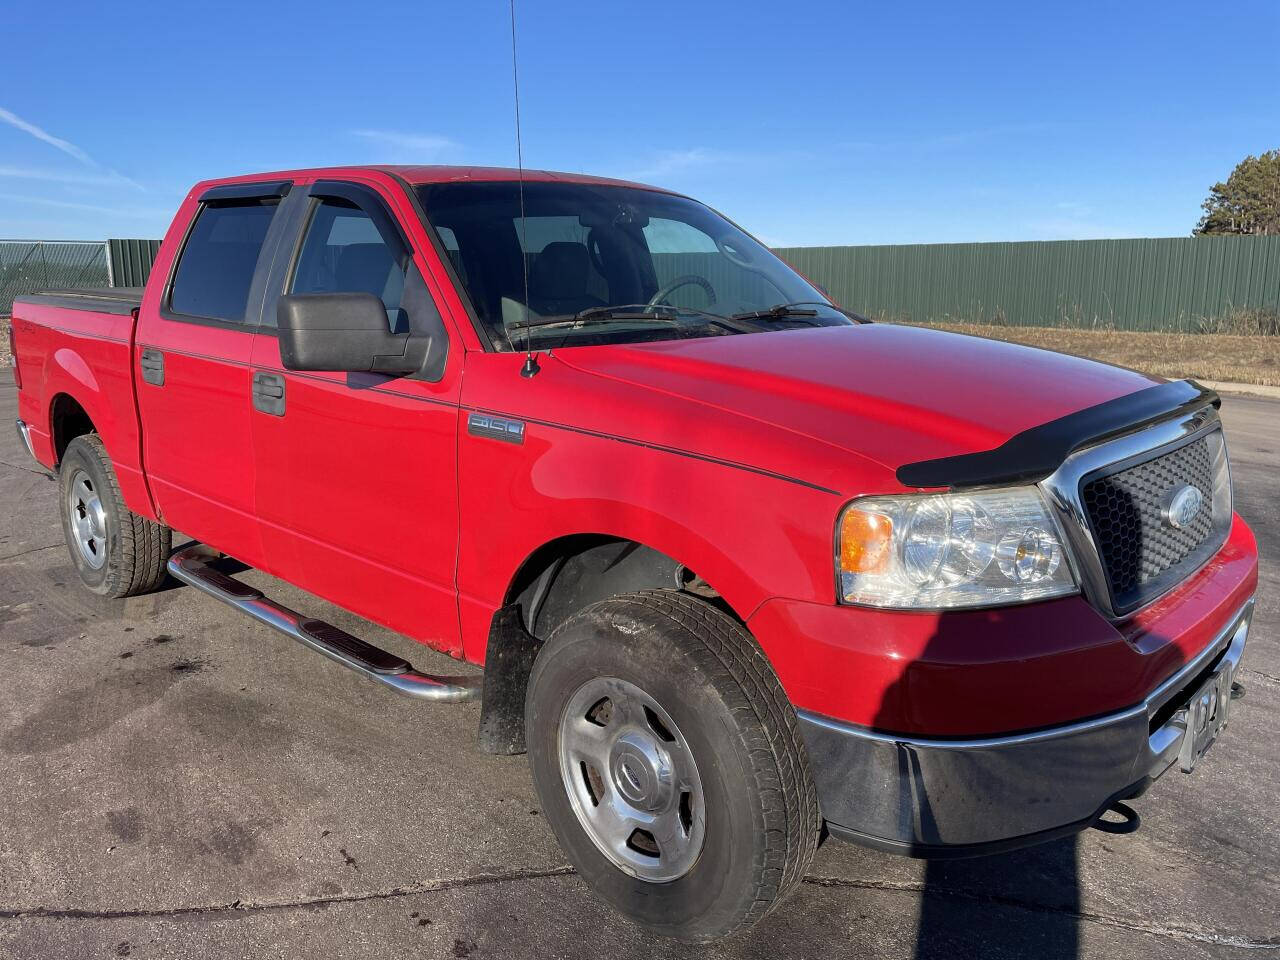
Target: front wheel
x=668, y=762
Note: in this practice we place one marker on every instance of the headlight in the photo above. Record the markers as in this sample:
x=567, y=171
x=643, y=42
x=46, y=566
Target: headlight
x=936, y=551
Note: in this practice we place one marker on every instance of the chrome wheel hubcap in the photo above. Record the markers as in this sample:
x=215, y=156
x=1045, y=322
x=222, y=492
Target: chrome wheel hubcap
x=632, y=780
x=88, y=520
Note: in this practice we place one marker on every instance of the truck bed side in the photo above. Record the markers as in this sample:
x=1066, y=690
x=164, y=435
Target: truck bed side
x=75, y=360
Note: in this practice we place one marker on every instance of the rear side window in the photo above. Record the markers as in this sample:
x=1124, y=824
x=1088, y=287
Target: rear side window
x=345, y=252
x=217, y=265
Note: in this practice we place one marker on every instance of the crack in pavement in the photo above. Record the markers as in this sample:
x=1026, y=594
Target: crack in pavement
x=1263, y=676
x=27, y=553
x=318, y=903
x=245, y=908
x=43, y=473
x=1137, y=926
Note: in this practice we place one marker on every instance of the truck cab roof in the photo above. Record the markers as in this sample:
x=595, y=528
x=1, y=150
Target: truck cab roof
x=432, y=173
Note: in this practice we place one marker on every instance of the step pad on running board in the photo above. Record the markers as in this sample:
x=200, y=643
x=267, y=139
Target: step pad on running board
x=229, y=585
x=193, y=566
x=366, y=654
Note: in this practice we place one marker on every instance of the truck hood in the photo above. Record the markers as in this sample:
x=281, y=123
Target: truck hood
x=883, y=392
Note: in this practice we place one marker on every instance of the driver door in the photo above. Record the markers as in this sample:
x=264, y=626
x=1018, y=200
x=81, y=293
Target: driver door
x=357, y=472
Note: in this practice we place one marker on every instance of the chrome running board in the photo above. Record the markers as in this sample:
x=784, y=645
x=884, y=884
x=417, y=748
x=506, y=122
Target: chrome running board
x=193, y=566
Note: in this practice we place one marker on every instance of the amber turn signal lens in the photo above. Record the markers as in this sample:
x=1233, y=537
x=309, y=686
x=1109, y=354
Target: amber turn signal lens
x=865, y=539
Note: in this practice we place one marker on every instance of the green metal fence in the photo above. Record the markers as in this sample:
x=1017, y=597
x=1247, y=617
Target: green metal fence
x=1182, y=283
x=131, y=261
x=1155, y=284
x=28, y=266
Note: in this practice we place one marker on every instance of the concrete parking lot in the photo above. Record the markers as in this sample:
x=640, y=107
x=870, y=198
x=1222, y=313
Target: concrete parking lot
x=176, y=781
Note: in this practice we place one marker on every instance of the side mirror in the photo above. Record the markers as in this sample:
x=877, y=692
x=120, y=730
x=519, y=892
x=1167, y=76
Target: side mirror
x=345, y=332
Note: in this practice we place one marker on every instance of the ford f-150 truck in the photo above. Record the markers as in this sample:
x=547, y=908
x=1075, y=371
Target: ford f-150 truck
x=742, y=569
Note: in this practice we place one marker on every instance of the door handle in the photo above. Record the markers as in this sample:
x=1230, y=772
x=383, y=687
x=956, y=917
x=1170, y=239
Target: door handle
x=151, y=363
x=268, y=393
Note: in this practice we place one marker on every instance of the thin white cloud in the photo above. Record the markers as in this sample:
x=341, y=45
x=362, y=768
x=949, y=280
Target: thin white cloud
x=66, y=146
x=416, y=146
x=670, y=162
x=53, y=176
x=133, y=212
x=955, y=140
x=1076, y=220
x=70, y=149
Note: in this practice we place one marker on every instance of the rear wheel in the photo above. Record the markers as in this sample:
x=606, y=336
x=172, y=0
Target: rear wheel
x=116, y=552
x=668, y=762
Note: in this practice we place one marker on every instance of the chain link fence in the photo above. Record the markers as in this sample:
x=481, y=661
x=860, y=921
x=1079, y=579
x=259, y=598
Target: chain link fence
x=29, y=266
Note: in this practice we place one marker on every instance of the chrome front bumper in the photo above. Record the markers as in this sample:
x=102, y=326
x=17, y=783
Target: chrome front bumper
x=24, y=434
x=926, y=797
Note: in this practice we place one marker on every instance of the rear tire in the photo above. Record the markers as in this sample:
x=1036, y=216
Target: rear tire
x=699, y=712
x=116, y=552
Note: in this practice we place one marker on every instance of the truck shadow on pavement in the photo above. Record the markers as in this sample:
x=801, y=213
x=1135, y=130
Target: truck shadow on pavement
x=956, y=916
x=1025, y=902
x=1021, y=903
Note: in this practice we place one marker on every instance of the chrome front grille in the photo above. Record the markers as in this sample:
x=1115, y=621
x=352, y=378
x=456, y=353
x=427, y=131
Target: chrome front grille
x=1128, y=511
x=1115, y=504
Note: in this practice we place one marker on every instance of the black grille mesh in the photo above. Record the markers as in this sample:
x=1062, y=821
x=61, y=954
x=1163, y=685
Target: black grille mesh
x=1126, y=511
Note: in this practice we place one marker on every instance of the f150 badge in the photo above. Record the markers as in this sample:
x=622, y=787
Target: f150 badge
x=1183, y=507
x=495, y=428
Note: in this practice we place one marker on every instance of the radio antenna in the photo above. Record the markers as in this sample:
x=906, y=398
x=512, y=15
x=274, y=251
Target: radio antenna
x=530, y=367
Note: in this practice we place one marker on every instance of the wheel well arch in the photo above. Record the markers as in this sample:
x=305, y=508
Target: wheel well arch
x=555, y=581
x=570, y=572
x=68, y=419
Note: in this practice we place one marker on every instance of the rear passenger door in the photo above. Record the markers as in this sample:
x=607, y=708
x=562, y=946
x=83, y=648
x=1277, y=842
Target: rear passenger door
x=192, y=354
x=357, y=472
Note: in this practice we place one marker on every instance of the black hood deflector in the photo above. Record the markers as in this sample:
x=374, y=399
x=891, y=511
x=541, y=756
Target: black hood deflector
x=1033, y=454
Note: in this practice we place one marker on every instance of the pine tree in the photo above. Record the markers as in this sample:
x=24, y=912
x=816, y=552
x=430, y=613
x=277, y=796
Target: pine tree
x=1249, y=201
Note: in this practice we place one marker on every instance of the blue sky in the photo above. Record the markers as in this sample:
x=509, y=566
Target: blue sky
x=808, y=123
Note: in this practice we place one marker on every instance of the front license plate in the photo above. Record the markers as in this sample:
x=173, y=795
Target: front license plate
x=1206, y=716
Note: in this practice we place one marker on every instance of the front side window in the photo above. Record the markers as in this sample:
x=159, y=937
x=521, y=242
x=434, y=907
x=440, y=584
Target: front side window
x=218, y=261
x=344, y=252
x=666, y=265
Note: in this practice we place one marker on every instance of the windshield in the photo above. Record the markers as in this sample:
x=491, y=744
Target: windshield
x=611, y=264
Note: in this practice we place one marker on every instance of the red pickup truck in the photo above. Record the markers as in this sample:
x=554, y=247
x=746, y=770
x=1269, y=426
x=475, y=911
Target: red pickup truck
x=742, y=569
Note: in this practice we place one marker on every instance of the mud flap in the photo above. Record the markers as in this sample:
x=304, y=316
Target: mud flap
x=508, y=661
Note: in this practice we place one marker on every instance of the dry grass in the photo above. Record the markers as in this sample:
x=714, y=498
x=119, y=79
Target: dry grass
x=4, y=341
x=1204, y=356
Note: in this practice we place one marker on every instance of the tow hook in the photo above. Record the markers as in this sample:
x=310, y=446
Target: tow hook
x=1129, y=824
x=1237, y=690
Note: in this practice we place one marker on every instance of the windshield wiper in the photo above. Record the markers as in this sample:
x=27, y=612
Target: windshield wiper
x=794, y=312
x=855, y=317
x=624, y=311
x=781, y=311
x=629, y=312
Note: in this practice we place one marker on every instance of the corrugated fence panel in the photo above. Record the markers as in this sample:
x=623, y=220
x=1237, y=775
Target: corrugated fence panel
x=29, y=266
x=1174, y=283
x=131, y=261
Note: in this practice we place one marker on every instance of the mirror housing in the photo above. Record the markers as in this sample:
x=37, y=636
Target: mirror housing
x=342, y=332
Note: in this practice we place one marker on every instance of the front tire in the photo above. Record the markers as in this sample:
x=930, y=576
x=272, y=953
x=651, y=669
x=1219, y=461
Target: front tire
x=668, y=763
x=116, y=552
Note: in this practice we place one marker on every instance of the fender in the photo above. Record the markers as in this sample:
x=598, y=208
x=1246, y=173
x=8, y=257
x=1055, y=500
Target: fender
x=770, y=538
x=107, y=399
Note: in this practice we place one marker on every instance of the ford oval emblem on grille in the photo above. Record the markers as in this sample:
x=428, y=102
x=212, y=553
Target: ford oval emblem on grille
x=1183, y=507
